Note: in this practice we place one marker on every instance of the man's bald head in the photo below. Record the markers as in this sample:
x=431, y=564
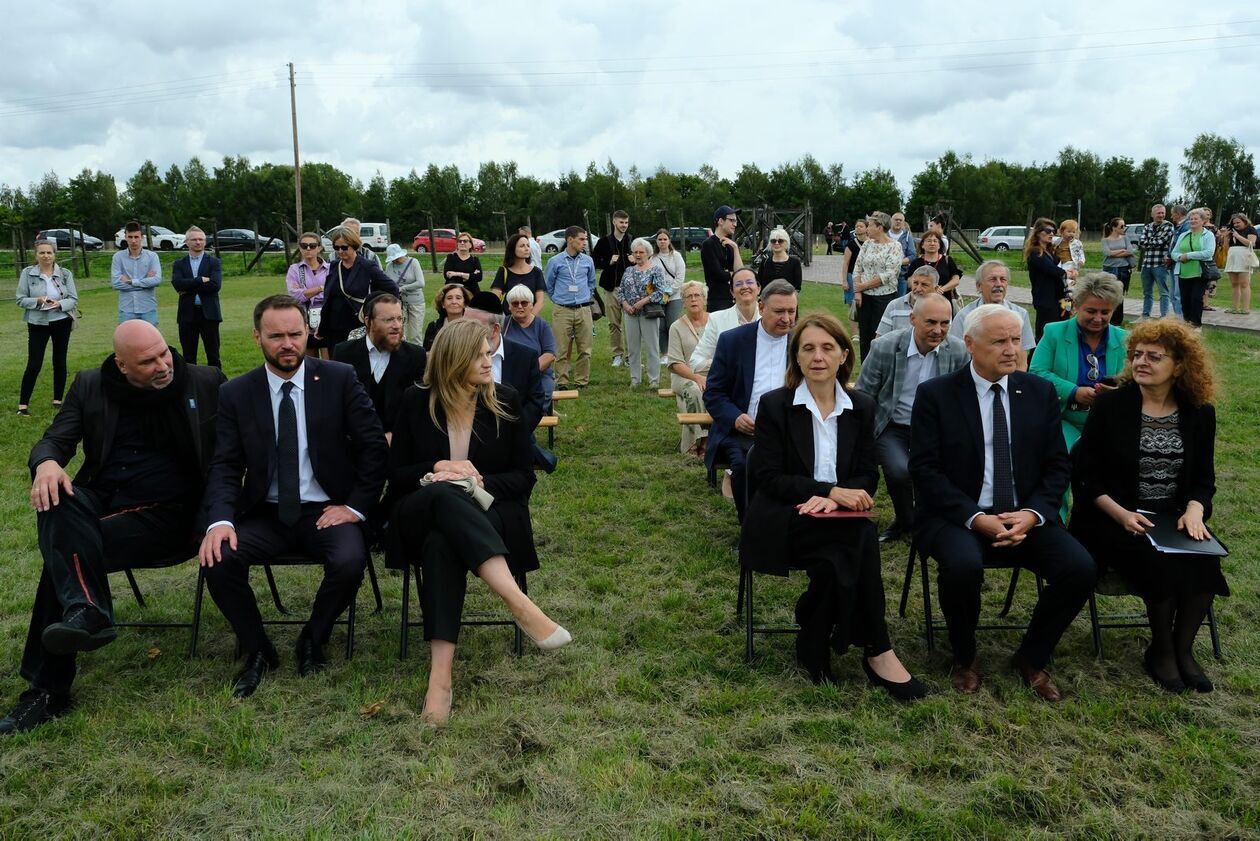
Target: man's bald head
x=142, y=355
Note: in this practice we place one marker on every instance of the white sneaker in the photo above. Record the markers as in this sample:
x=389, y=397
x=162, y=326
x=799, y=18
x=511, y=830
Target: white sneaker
x=617, y=361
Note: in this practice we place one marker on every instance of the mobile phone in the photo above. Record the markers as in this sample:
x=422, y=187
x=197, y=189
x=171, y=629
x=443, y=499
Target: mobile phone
x=1110, y=382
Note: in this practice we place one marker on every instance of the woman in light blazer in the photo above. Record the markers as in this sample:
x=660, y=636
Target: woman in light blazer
x=47, y=296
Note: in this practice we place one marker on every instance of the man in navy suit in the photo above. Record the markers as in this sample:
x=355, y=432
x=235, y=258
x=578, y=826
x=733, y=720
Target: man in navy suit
x=303, y=436
x=198, y=278
x=990, y=470
x=749, y=361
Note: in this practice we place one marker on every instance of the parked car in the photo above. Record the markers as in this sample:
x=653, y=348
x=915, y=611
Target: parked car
x=1002, y=238
x=163, y=239
x=689, y=239
x=61, y=236
x=553, y=242
x=1134, y=232
x=375, y=235
x=243, y=239
x=443, y=241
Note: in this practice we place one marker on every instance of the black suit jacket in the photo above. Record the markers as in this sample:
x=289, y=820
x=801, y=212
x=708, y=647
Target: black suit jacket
x=189, y=288
x=947, y=449
x=730, y=383
x=406, y=368
x=364, y=279
x=1105, y=460
x=344, y=436
x=782, y=471
x=520, y=371
x=88, y=416
x=502, y=454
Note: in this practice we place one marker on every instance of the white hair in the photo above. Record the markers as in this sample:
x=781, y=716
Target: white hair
x=981, y=314
x=781, y=232
x=519, y=292
x=644, y=243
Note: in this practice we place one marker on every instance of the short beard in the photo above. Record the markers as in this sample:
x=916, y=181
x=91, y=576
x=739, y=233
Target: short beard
x=288, y=369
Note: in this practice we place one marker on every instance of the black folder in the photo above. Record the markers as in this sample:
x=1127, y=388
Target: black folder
x=1165, y=537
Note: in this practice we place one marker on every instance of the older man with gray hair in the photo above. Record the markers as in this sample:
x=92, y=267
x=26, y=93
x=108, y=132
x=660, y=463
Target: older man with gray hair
x=923, y=281
x=891, y=374
x=993, y=279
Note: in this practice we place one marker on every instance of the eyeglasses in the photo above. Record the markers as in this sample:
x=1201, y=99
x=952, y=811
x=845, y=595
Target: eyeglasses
x=342, y=248
x=308, y=245
x=1092, y=361
x=1151, y=356
x=739, y=284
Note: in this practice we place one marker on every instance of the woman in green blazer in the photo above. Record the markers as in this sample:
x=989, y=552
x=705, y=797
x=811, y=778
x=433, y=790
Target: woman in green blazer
x=1083, y=355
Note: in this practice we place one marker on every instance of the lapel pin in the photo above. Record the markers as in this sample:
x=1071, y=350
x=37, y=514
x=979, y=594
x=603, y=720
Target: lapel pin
x=1017, y=391
x=316, y=378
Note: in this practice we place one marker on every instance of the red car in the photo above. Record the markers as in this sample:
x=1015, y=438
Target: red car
x=443, y=242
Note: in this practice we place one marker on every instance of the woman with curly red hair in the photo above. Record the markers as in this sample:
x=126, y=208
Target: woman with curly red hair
x=1149, y=446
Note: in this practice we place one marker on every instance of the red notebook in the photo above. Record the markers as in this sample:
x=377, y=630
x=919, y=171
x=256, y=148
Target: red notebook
x=842, y=513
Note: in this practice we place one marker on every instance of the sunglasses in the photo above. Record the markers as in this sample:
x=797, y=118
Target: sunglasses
x=1092, y=361
x=780, y=241
x=342, y=248
x=308, y=245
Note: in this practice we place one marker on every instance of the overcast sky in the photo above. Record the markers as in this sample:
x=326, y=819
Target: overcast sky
x=392, y=85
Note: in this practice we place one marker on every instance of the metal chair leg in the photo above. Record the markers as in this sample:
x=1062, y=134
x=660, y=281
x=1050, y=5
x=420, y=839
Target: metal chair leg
x=350, y=629
x=1094, y=626
x=551, y=437
x=739, y=600
x=928, y=630
x=275, y=591
x=1010, y=593
x=748, y=615
x=405, y=625
x=376, y=587
x=135, y=588
x=905, y=585
x=196, y=617
x=1214, y=632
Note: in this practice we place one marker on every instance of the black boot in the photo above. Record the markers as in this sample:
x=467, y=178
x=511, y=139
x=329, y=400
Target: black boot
x=84, y=628
x=34, y=707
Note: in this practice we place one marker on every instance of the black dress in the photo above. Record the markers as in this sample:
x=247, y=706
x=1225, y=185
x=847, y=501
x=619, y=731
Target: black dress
x=845, y=601
x=789, y=270
x=472, y=266
x=945, y=267
x=505, y=281
x=345, y=292
x=1153, y=464
x=439, y=527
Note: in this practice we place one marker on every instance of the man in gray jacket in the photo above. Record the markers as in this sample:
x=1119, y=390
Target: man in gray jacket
x=897, y=364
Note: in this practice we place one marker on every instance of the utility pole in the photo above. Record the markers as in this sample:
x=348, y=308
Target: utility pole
x=297, y=162
x=503, y=214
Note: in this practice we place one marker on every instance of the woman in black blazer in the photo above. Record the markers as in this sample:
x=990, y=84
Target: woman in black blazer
x=352, y=279
x=793, y=473
x=459, y=427
x=1150, y=445
x=1048, y=281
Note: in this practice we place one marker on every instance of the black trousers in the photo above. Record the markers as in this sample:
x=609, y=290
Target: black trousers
x=448, y=533
x=260, y=536
x=198, y=328
x=892, y=449
x=735, y=448
x=1048, y=315
x=1049, y=551
x=37, y=336
x=869, y=314
x=1192, y=289
x=82, y=540
x=1123, y=274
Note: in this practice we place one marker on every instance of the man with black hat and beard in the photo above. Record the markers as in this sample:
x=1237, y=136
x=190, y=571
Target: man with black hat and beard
x=146, y=421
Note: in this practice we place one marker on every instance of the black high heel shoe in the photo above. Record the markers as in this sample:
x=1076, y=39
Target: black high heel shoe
x=912, y=690
x=1175, y=685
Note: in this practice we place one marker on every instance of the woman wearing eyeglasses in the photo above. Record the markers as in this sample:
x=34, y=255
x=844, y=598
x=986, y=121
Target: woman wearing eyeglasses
x=780, y=263
x=305, y=281
x=463, y=266
x=352, y=279
x=1083, y=356
x=46, y=294
x=1048, y=280
x=1148, y=446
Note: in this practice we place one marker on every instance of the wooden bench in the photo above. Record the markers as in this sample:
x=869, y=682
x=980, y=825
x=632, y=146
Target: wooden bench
x=697, y=418
x=664, y=392
x=569, y=394
x=549, y=423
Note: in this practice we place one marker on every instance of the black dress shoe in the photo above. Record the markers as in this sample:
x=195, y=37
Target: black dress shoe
x=257, y=664
x=34, y=707
x=310, y=657
x=912, y=690
x=84, y=628
x=892, y=533
x=1173, y=684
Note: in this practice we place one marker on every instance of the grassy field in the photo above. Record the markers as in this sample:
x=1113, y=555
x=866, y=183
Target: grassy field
x=650, y=724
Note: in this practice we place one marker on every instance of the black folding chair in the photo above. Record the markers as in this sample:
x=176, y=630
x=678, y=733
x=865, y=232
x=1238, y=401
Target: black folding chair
x=299, y=559
x=744, y=601
x=472, y=619
x=1112, y=585
x=193, y=625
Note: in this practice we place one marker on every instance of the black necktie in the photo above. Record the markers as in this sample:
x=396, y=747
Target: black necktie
x=288, y=496
x=1003, y=475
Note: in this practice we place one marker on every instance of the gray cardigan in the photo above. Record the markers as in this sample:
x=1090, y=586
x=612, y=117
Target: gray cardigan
x=31, y=288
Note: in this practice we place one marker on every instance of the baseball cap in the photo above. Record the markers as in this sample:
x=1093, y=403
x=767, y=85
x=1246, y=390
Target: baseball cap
x=724, y=210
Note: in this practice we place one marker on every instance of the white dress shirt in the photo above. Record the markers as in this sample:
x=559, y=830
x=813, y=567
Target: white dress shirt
x=826, y=432
x=496, y=362
x=308, y=486
x=918, y=369
x=984, y=394
x=770, y=367
x=378, y=360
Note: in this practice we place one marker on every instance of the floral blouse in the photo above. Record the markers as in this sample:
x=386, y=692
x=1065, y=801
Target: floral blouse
x=634, y=285
x=879, y=260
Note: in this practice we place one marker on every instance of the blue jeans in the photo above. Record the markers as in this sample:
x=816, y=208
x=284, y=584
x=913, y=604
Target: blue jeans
x=848, y=288
x=150, y=317
x=903, y=283
x=1161, y=276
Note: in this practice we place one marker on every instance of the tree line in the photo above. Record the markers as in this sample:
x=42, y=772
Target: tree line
x=1216, y=172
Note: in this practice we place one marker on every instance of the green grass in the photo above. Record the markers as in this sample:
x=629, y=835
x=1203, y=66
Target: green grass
x=650, y=724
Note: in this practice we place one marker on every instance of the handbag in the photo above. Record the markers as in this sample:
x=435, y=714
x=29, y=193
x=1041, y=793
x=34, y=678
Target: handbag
x=1221, y=255
x=653, y=310
x=1208, y=271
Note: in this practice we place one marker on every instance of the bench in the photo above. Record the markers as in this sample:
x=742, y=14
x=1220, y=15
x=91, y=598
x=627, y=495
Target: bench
x=567, y=394
x=697, y=418
x=549, y=423
x=665, y=392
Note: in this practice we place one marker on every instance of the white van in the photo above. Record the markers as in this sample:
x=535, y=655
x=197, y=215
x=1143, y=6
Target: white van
x=375, y=235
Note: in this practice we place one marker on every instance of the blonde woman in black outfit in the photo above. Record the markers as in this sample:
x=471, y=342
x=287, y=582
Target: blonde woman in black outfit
x=780, y=263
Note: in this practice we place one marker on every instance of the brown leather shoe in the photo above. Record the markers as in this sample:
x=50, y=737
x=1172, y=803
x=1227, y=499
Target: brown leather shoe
x=966, y=677
x=1038, y=680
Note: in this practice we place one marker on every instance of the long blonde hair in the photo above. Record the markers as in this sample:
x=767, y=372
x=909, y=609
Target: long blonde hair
x=456, y=349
